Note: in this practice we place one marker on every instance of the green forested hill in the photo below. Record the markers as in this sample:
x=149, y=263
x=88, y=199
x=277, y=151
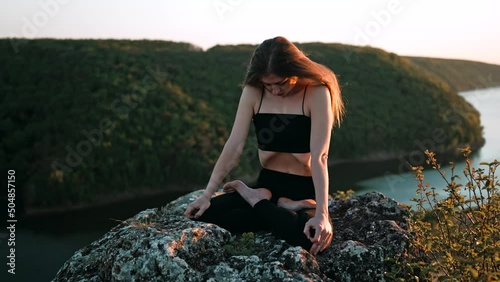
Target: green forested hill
x=393, y=107
x=459, y=74
x=81, y=118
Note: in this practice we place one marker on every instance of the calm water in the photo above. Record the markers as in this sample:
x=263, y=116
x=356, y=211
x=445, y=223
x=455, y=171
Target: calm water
x=402, y=186
x=44, y=243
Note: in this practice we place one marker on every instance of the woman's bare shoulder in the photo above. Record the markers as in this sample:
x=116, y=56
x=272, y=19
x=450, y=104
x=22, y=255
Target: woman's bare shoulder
x=317, y=91
x=252, y=91
x=317, y=87
x=317, y=94
x=250, y=96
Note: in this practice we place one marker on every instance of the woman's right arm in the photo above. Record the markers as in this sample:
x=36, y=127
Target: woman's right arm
x=231, y=153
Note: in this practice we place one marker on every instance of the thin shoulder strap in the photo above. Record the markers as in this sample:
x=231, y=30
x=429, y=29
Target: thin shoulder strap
x=261, y=98
x=303, y=99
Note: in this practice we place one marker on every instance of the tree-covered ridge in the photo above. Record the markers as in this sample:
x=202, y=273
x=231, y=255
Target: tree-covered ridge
x=393, y=108
x=461, y=75
x=81, y=119
x=87, y=117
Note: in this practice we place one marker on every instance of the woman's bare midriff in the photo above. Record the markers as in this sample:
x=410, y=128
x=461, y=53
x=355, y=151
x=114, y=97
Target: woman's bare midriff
x=292, y=163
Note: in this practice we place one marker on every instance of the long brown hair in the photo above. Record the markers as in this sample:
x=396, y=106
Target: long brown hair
x=281, y=57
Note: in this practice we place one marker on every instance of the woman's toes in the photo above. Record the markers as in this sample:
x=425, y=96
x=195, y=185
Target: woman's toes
x=228, y=187
x=232, y=186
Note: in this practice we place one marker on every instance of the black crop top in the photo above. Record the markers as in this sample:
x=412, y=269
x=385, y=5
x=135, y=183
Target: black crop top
x=283, y=132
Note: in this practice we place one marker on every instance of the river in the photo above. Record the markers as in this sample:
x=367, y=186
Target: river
x=44, y=243
x=402, y=186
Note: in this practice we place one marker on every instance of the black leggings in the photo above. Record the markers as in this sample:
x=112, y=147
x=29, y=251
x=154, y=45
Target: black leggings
x=232, y=212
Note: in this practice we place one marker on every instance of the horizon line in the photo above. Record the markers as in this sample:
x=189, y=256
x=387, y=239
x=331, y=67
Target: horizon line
x=240, y=44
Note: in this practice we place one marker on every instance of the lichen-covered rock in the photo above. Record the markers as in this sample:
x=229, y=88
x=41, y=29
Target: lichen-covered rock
x=162, y=245
x=369, y=229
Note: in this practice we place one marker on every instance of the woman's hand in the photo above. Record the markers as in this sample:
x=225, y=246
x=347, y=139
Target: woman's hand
x=197, y=207
x=323, y=233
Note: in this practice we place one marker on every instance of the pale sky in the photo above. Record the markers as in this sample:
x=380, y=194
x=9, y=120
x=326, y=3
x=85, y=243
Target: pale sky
x=467, y=30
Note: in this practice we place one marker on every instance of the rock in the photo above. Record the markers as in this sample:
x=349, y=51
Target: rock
x=162, y=245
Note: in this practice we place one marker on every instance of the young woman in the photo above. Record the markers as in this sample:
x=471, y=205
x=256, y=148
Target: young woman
x=293, y=103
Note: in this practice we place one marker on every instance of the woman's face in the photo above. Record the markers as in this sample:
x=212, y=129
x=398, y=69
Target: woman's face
x=278, y=85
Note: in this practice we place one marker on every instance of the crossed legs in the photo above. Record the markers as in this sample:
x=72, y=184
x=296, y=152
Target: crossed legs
x=285, y=219
x=253, y=196
x=251, y=210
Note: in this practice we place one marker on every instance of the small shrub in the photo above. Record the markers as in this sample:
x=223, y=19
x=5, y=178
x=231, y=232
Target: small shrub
x=457, y=237
x=343, y=195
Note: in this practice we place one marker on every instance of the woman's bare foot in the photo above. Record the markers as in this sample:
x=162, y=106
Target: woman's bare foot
x=252, y=196
x=296, y=205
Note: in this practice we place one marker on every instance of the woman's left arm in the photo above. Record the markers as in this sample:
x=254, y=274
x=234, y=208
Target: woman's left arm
x=321, y=128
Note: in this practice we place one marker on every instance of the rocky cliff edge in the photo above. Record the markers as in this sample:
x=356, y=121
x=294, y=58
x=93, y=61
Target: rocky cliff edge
x=162, y=245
